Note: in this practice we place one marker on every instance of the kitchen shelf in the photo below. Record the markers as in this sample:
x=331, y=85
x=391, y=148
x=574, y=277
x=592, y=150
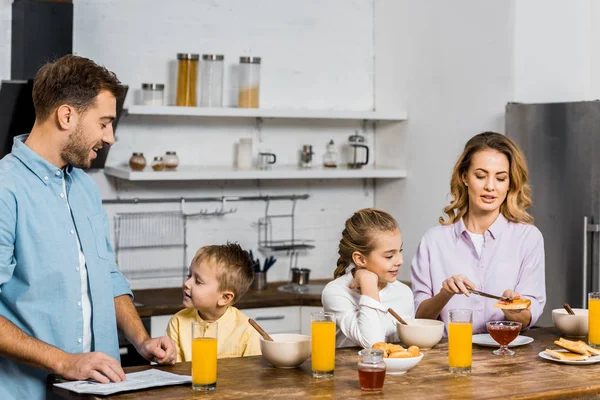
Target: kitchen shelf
x=229, y=112
x=201, y=173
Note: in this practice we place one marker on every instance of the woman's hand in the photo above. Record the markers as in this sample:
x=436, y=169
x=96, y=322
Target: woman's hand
x=457, y=284
x=522, y=315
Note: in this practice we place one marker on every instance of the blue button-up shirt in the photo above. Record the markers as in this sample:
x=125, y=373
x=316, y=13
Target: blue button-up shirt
x=40, y=283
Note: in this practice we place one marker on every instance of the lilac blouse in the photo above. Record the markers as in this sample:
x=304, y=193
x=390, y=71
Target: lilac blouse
x=512, y=257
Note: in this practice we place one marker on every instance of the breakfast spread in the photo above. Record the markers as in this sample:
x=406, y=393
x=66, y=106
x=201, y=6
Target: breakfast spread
x=514, y=304
x=391, y=350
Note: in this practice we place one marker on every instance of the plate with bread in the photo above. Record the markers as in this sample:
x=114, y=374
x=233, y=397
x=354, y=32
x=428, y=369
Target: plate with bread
x=572, y=352
x=398, y=359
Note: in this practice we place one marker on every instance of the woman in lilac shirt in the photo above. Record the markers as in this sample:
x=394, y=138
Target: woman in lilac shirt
x=488, y=241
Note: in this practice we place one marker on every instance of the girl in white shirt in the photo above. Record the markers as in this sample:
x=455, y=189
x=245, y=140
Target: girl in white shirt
x=365, y=286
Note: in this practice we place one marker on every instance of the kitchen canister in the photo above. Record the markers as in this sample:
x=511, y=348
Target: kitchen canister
x=211, y=80
x=249, y=70
x=187, y=79
x=153, y=94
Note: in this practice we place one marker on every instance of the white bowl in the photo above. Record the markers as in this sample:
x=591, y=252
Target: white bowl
x=424, y=333
x=571, y=325
x=399, y=366
x=288, y=350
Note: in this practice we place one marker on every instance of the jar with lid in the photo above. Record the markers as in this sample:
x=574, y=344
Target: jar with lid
x=330, y=158
x=158, y=164
x=306, y=156
x=171, y=160
x=187, y=79
x=249, y=82
x=137, y=162
x=211, y=80
x=371, y=369
x=153, y=94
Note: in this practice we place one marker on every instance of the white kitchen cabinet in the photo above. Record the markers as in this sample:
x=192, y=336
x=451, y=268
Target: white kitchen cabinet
x=158, y=325
x=276, y=319
x=305, y=312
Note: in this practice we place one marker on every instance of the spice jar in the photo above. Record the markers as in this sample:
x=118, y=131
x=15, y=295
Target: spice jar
x=171, y=160
x=153, y=94
x=211, y=80
x=158, y=164
x=187, y=79
x=306, y=156
x=330, y=158
x=249, y=82
x=371, y=369
x=137, y=162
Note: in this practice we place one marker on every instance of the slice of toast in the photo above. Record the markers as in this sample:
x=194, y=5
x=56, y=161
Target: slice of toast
x=591, y=350
x=516, y=304
x=572, y=346
x=561, y=355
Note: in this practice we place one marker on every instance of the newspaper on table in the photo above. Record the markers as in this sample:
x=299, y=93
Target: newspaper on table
x=135, y=381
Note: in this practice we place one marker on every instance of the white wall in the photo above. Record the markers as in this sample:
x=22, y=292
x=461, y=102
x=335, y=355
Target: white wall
x=455, y=59
x=5, y=37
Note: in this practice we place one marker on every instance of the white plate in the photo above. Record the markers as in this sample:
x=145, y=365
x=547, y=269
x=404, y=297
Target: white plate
x=484, y=339
x=591, y=360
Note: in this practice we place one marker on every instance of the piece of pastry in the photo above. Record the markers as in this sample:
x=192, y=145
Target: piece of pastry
x=591, y=350
x=573, y=347
x=516, y=304
x=561, y=355
x=393, y=348
x=401, y=354
x=414, y=351
x=382, y=346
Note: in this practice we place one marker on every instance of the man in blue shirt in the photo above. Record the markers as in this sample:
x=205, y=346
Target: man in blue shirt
x=62, y=296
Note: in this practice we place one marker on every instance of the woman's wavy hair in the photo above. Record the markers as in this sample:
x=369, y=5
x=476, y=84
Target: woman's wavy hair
x=359, y=233
x=518, y=198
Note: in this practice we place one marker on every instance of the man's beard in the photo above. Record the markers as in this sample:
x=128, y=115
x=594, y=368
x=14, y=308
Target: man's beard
x=77, y=152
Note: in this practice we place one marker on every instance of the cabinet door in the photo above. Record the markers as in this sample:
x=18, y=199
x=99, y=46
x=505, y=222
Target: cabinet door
x=276, y=319
x=305, y=318
x=158, y=325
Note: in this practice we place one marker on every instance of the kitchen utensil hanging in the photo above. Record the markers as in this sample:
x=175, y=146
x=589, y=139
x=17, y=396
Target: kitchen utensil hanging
x=265, y=232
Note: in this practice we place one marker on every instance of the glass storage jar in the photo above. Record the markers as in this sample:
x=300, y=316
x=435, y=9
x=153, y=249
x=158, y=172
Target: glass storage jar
x=330, y=158
x=249, y=82
x=153, y=94
x=171, y=160
x=158, y=164
x=211, y=80
x=187, y=79
x=371, y=369
x=137, y=162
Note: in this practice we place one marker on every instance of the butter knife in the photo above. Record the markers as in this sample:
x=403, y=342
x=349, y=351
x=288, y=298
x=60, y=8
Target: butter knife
x=491, y=296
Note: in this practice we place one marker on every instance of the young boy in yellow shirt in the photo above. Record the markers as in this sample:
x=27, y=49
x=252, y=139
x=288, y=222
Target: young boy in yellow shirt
x=218, y=277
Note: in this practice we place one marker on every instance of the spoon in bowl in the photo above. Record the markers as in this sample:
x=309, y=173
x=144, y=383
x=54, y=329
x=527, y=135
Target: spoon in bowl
x=395, y=315
x=569, y=309
x=260, y=330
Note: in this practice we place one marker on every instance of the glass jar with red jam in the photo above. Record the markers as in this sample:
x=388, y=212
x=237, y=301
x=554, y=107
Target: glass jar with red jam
x=371, y=369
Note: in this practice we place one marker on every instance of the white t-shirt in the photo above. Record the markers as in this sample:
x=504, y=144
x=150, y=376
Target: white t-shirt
x=477, y=240
x=85, y=303
x=362, y=321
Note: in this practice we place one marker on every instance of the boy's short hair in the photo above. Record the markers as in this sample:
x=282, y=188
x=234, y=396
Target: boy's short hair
x=235, y=271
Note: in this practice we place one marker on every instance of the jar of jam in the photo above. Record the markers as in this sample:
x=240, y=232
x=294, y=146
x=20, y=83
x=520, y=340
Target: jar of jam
x=137, y=162
x=158, y=164
x=371, y=369
x=171, y=160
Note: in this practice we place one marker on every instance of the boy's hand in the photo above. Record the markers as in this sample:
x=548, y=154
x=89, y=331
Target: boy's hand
x=161, y=350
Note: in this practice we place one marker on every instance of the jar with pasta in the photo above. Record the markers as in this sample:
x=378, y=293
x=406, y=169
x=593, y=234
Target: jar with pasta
x=187, y=79
x=249, y=82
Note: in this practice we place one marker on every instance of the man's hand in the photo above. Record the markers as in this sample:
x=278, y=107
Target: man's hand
x=96, y=365
x=161, y=350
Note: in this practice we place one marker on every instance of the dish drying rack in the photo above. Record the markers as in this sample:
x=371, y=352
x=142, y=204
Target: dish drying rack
x=154, y=244
x=265, y=233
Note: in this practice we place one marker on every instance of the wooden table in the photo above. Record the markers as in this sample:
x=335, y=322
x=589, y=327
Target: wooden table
x=524, y=376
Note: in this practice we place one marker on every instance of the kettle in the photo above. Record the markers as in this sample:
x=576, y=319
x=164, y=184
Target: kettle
x=355, y=159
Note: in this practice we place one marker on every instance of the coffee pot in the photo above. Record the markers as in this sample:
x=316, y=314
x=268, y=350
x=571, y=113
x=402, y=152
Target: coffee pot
x=356, y=157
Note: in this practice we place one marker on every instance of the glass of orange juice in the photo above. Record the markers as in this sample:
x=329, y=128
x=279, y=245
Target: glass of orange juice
x=460, y=341
x=594, y=319
x=323, y=344
x=204, y=356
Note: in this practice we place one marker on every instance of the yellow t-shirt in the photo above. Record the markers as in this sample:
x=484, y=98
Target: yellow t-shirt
x=235, y=337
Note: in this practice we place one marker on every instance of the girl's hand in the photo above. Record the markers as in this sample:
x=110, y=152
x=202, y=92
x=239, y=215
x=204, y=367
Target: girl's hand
x=364, y=278
x=457, y=284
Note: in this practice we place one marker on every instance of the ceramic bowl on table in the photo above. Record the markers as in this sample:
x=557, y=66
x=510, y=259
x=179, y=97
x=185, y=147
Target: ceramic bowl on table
x=287, y=350
x=399, y=366
x=424, y=333
x=571, y=325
